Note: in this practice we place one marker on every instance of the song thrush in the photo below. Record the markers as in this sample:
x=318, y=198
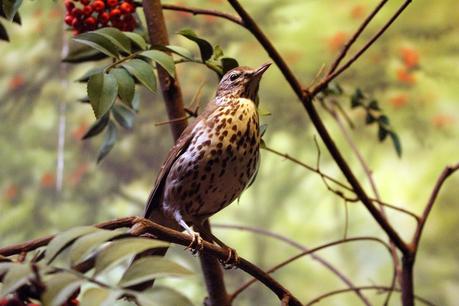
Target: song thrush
x=215, y=158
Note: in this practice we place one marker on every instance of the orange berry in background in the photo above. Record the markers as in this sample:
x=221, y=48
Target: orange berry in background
x=337, y=41
x=11, y=192
x=405, y=77
x=47, y=180
x=410, y=57
x=399, y=101
x=358, y=11
x=16, y=82
x=442, y=120
x=78, y=132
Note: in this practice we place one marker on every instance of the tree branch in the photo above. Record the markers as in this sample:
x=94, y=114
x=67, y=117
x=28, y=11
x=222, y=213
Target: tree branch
x=175, y=109
x=301, y=247
x=379, y=288
x=141, y=226
x=306, y=98
x=308, y=252
x=430, y=203
x=199, y=11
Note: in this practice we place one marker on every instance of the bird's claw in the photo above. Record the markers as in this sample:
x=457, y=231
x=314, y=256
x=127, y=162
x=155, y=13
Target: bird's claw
x=196, y=245
x=232, y=261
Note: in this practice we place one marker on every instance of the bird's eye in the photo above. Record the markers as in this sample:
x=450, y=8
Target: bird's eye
x=234, y=76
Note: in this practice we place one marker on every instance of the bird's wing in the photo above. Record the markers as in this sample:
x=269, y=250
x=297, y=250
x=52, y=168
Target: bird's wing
x=156, y=196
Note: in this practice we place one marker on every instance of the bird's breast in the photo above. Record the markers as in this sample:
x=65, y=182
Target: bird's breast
x=219, y=162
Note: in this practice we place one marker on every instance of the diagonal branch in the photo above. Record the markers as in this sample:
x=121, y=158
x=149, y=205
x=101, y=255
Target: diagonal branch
x=378, y=288
x=308, y=252
x=301, y=247
x=356, y=35
x=430, y=203
x=199, y=11
x=306, y=98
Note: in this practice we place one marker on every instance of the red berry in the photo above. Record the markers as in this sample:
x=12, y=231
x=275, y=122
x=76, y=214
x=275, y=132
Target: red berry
x=98, y=5
x=104, y=18
x=69, y=19
x=76, y=12
x=69, y=5
x=90, y=21
x=112, y=3
x=126, y=8
x=87, y=10
x=85, y=2
x=115, y=13
x=75, y=23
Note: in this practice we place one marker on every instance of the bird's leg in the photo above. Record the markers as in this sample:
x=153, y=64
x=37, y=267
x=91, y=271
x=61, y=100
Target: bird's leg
x=232, y=260
x=196, y=245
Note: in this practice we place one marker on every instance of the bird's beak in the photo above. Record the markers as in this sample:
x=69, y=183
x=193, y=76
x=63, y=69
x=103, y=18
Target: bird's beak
x=259, y=72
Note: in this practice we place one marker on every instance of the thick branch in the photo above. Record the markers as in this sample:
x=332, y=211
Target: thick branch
x=140, y=226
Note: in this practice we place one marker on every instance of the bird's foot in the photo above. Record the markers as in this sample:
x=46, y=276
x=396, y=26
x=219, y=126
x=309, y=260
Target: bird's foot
x=196, y=245
x=232, y=261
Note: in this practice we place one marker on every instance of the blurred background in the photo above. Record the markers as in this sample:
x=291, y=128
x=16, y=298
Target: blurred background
x=49, y=179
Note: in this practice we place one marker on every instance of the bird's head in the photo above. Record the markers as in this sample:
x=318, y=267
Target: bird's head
x=241, y=82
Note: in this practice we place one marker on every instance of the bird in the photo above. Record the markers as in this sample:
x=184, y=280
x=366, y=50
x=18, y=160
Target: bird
x=213, y=161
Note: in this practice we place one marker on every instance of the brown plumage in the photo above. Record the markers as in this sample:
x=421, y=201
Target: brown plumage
x=215, y=158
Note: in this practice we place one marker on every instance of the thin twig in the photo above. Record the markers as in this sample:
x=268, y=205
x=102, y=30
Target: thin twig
x=430, y=203
x=304, y=253
x=354, y=37
x=298, y=246
x=318, y=88
x=199, y=11
x=380, y=288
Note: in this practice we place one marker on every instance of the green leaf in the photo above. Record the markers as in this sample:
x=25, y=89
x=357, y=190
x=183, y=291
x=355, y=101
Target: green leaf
x=17, y=275
x=3, y=34
x=396, y=142
x=119, y=250
x=99, y=297
x=384, y=120
x=123, y=116
x=88, y=243
x=62, y=240
x=204, y=46
x=97, y=127
x=10, y=8
x=136, y=39
x=149, y=268
x=333, y=89
x=118, y=38
x=217, y=53
x=59, y=288
x=370, y=118
x=228, y=63
x=85, y=77
x=136, y=102
x=162, y=296
x=162, y=59
x=357, y=98
x=263, y=129
x=382, y=133
x=143, y=72
x=98, y=42
x=374, y=105
x=108, y=143
x=183, y=52
x=102, y=92
x=79, y=53
x=126, y=85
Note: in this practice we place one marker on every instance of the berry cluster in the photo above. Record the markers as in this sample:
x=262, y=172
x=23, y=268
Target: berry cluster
x=88, y=15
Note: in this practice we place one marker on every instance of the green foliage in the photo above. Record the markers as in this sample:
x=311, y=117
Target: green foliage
x=56, y=278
